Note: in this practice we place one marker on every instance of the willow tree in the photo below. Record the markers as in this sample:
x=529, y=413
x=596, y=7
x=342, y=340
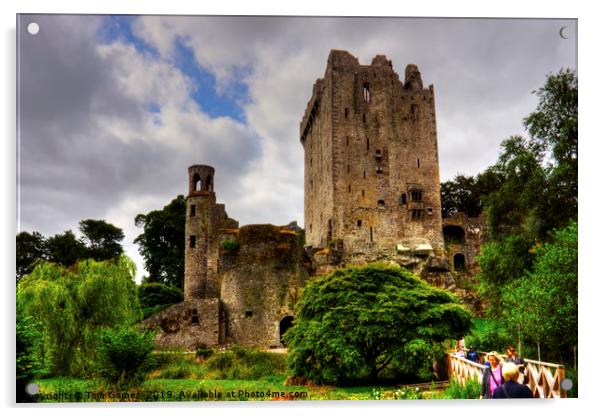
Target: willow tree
x=352, y=324
x=70, y=305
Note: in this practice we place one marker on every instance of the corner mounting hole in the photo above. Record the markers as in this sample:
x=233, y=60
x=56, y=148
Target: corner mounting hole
x=33, y=28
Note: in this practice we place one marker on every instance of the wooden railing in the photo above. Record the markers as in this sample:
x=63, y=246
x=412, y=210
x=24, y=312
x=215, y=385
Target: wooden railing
x=543, y=378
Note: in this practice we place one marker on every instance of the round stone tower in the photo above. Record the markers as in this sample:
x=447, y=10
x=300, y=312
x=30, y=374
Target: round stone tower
x=201, y=249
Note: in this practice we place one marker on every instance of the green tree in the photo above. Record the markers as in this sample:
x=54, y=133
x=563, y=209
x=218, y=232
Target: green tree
x=65, y=249
x=517, y=205
x=542, y=305
x=351, y=324
x=28, y=365
x=162, y=242
x=461, y=195
x=69, y=305
x=502, y=262
x=157, y=296
x=101, y=239
x=122, y=354
x=31, y=248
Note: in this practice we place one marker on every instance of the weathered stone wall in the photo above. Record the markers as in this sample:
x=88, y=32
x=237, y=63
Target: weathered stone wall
x=260, y=283
x=474, y=232
x=371, y=164
x=189, y=324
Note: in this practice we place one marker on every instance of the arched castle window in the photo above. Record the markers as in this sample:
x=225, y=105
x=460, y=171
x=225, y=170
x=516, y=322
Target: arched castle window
x=209, y=183
x=381, y=203
x=196, y=182
x=366, y=92
x=192, y=241
x=285, y=324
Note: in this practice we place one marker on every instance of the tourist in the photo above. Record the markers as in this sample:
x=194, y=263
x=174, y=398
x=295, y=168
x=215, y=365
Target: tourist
x=511, y=389
x=492, y=376
x=513, y=357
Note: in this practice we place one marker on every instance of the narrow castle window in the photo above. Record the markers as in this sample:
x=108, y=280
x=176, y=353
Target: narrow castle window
x=194, y=317
x=402, y=200
x=367, y=144
x=414, y=109
x=349, y=188
x=364, y=174
x=192, y=210
x=381, y=203
x=348, y=168
x=418, y=162
x=366, y=92
x=371, y=235
x=416, y=196
x=347, y=140
x=362, y=193
x=192, y=241
x=346, y=113
x=364, y=118
x=359, y=223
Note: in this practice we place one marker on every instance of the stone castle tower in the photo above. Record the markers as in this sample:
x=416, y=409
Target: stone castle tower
x=371, y=164
x=202, y=225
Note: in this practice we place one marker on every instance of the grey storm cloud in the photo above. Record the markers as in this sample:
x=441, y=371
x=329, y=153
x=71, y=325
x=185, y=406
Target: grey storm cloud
x=90, y=148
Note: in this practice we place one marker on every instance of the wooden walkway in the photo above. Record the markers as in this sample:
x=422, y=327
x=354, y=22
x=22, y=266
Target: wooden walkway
x=544, y=378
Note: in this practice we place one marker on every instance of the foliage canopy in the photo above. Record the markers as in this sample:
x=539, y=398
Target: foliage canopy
x=352, y=323
x=162, y=242
x=69, y=305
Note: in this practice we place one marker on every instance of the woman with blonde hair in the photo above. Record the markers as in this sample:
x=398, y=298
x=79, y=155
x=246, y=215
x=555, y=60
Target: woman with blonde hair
x=492, y=376
x=511, y=389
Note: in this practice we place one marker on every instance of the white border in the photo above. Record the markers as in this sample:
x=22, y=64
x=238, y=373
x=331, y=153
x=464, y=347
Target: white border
x=589, y=70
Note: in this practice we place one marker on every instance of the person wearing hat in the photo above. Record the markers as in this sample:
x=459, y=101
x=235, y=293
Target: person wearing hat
x=511, y=389
x=492, y=376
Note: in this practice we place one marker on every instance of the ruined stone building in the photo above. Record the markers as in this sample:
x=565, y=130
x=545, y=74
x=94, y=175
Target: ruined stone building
x=240, y=284
x=372, y=193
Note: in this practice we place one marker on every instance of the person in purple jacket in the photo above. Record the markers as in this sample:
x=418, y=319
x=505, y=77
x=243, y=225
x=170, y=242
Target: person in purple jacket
x=492, y=376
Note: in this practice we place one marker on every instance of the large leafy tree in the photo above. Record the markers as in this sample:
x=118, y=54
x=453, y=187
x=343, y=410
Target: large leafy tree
x=65, y=249
x=102, y=239
x=542, y=304
x=162, y=242
x=31, y=248
x=354, y=323
x=460, y=195
x=70, y=305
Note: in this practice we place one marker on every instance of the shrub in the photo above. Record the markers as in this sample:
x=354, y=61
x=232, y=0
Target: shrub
x=204, y=352
x=230, y=245
x=123, y=353
x=472, y=390
x=158, y=294
x=353, y=323
x=246, y=364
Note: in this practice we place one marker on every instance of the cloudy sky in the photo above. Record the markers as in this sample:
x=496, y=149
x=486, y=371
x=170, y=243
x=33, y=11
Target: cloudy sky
x=113, y=109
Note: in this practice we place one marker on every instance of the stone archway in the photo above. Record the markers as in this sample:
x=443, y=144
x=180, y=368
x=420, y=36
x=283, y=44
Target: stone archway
x=285, y=324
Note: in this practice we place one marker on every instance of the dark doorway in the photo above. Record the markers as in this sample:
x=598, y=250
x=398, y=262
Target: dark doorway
x=459, y=262
x=453, y=234
x=285, y=324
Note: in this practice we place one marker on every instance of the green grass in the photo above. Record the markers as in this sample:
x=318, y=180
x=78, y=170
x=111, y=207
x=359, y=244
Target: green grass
x=234, y=375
